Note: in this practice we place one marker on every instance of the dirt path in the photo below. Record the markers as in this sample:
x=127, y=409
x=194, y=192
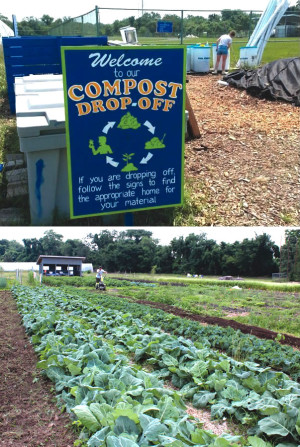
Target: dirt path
x=28, y=414
x=244, y=170
x=223, y=322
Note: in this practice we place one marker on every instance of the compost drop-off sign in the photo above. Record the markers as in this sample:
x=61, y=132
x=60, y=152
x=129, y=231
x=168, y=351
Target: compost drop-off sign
x=125, y=126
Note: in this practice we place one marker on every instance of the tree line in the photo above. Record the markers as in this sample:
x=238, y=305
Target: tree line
x=32, y=26
x=137, y=251
x=197, y=25
x=213, y=25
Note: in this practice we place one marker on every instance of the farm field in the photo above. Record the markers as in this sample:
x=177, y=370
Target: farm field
x=126, y=382
x=276, y=308
x=268, y=309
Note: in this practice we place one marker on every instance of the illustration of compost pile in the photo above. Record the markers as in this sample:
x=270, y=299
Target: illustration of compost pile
x=128, y=122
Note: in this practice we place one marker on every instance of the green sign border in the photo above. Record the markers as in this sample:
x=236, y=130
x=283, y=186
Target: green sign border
x=97, y=47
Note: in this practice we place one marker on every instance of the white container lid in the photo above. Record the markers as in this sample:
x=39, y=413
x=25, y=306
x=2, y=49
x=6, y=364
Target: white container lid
x=33, y=87
x=45, y=110
x=38, y=78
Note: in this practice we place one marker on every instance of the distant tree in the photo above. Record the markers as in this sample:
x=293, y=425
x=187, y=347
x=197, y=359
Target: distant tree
x=135, y=235
x=195, y=254
x=75, y=247
x=14, y=252
x=265, y=254
x=31, y=26
x=4, y=244
x=290, y=255
x=103, y=239
x=47, y=20
x=33, y=248
x=6, y=20
x=106, y=30
x=51, y=243
x=147, y=22
x=163, y=259
x=101, y=248
x=228, y=258
x=195, y=25
x=214, y=18
x=250, y=257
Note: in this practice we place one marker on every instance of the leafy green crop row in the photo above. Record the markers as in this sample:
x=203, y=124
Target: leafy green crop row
x=234, y=343
x=81, y=281
x=89, y=281
x=267, y=400
x=273, y=310
x=114, y=404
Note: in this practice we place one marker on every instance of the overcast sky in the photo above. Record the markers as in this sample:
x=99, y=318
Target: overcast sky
x=164, y=234
x=68, y=8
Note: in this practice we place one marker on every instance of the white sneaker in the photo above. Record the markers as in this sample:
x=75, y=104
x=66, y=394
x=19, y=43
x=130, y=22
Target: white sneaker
x=214, y=72
x=224, y=72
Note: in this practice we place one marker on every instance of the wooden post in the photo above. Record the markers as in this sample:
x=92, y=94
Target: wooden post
x=193, y=128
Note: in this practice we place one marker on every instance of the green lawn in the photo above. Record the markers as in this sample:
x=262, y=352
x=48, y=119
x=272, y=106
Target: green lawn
x=276, y=48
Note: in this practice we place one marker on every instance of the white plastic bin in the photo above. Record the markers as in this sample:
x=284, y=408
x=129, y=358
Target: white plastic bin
x=128, y=34
x=188, y=57
x=248, y=57
x=200, y=59
x=41, y=130
x=214, y=58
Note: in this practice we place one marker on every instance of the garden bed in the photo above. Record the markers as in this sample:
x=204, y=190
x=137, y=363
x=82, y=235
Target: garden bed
x=28, y=416
x=223, y=322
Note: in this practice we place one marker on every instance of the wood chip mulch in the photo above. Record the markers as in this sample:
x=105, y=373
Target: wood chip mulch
x=244, y=169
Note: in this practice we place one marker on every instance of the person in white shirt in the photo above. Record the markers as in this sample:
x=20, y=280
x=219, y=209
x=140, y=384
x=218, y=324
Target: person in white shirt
x=99, y=275
x=223, y=44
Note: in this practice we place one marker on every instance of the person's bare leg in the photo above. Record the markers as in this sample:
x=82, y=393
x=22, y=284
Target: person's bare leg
x=224, y=57
x=217, y=63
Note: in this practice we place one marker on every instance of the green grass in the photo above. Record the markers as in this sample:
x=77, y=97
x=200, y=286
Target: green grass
x=26, y=279
x=278, y=311
x=276, y=48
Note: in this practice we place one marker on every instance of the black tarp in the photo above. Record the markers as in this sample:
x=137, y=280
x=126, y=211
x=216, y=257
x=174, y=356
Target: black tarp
x=277, y=80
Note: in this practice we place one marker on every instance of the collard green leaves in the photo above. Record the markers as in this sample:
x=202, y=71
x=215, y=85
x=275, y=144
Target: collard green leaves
x=121, y=405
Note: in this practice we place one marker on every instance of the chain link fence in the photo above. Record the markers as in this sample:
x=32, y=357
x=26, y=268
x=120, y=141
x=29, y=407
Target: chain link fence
x=161, y=26
x=84, y=25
